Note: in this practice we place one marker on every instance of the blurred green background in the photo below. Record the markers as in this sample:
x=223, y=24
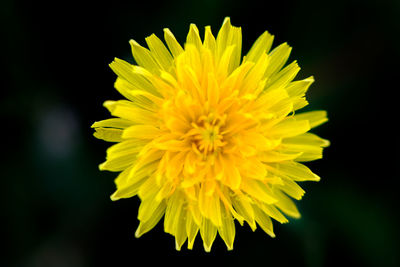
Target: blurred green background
x=55, y=206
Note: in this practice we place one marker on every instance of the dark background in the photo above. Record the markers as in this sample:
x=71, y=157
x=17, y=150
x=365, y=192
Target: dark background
x=55, y=206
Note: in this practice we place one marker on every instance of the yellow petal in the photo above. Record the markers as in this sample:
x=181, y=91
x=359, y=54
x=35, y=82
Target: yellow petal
x=147, y=208
x=229, y=36
x=277, y=156
x=261, y=45
x=193, y=37
x=149, y=188
x=209, y=206
x=230, y=87
x=130, y=181
x=191, y=230
x=166, y=190
x=308, y=153
x=232, y=177
x=180, y=235
x=190, y=163
x=121, y=181
x=128, y=191
x=139, y=98
x=283, y=77
x=136, y=76
x=208, y=233
x=173, y=45
x=271, y=98
x=123, y=177
x=209, y=41
x=227, y=228
x=108, y=134
x=278, y=58
x=291, y=188
x=315, y=118
x=273, y=212
x=159, y=52
x=307, y=139
x=253, y=168
x=141, y=132
x=135, y=114
x=286, y=205
x=174, y=222
x=121, y=160
x=146, y=226
x=150, y=156
x=257, y=190
x=196, y=214
x=113, y=123
x=299, y=88
x=177, y=125
x=236, y=40
x=264, y=221
x=288, y=128
x=144, y=58
x=111, y=105
x=258, y=141
x=309, y=145
x=222, y=37
x=299, y=102
x=212, y=90
x=255, y=75
x=175, y=165
x=242, y=205
x=173, y=145
x=293, y=170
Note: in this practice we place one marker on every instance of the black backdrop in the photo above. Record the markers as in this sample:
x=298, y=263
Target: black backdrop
x=55, y=203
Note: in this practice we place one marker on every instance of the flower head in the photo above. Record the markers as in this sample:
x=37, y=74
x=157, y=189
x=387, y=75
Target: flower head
x=206, y=137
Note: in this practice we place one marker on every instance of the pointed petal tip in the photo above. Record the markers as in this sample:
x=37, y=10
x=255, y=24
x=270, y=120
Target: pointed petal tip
x=133, y=43
x=227, y=20
x=168, y=32
x=190, y=244
x=193, y=27
x=296, y=216
x=253, y=226
x=271, y=234
x=316, y=178
x=138, y=233
x=326, y=143
x=108, y=103
x=207, y=248
x=101, y=166
x=114, y=196
x=177, y=245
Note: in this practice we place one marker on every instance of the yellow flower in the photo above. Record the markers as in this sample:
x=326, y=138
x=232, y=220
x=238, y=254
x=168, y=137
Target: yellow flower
x=206, y=137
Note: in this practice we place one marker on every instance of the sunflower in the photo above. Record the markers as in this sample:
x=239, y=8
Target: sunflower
x=206, y=137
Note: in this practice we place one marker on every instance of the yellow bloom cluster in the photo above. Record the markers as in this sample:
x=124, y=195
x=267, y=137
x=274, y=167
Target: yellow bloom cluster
x=207, y=137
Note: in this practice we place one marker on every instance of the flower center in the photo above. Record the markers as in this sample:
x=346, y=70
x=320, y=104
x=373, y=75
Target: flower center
x=207, y=138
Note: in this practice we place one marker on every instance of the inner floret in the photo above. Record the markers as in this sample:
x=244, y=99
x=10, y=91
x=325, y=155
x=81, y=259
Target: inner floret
x=207, y=137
